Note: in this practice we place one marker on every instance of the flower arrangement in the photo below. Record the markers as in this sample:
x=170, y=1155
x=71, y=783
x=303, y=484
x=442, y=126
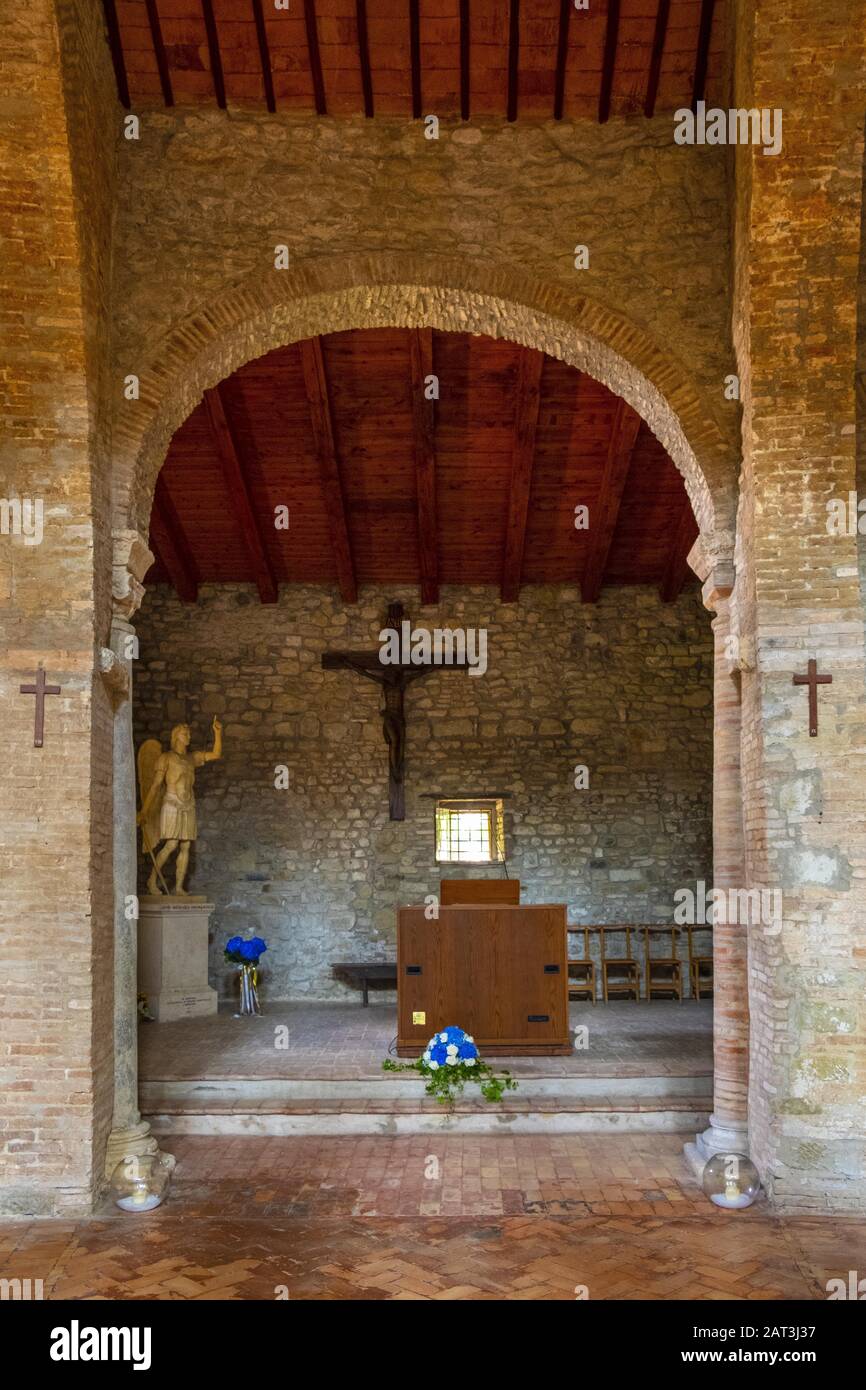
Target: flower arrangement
x=449, y=1060
x=246, y=954
x=239, y=951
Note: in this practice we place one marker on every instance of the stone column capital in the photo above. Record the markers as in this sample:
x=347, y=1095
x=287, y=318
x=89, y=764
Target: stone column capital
x=131, y=559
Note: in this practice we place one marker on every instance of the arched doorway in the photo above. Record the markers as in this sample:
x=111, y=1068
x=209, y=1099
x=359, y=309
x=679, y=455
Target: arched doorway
x=444, y=308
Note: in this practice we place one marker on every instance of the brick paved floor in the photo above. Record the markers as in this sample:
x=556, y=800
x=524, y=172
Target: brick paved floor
x=376, y=1218
x=348, y=1041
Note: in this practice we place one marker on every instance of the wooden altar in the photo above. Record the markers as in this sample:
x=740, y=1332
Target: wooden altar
x=499, y=971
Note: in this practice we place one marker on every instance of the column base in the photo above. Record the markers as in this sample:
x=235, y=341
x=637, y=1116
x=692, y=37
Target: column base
x=718, y=1139
x=136, y=1139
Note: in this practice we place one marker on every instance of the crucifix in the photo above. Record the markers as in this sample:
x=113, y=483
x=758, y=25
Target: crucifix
x=813, y=680
x=40, y=690
x=394, y=679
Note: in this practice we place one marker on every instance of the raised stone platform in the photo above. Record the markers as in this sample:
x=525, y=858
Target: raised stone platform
x=645, y=1068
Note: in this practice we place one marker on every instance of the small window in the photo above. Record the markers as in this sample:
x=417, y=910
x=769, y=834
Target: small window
x=470, y=832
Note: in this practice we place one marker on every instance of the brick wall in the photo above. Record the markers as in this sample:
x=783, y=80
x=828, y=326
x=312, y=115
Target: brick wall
x=55, y=802
x=797, y=252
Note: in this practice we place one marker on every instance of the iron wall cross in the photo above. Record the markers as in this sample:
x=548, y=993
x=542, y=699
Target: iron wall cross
x=394, y=680
x=40, y=690
x=813, y=680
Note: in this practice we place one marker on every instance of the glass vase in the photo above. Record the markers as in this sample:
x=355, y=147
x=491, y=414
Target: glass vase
x=248, y=979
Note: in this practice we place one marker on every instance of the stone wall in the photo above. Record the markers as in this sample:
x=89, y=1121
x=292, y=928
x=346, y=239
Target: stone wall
x=623, y=686
x=496, y=208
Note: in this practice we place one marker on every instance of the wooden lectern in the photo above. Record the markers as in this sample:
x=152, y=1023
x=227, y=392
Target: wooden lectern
x=478, y=890
x=499, y=971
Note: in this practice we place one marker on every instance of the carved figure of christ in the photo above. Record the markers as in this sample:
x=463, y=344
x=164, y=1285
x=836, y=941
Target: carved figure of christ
x=394, y=679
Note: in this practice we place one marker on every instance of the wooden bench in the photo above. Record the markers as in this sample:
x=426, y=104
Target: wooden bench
x=361, y=972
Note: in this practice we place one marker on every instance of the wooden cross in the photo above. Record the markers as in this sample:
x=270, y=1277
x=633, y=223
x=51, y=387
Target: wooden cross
x=813, y=680
x=393, y=679
x=40, y=690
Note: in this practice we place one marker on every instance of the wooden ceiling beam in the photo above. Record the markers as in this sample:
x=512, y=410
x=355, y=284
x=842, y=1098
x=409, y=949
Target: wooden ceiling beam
x=603, y=516
x=170, y=544
x=523, y=455
x=159, y=52
x=312, y=32
x=464, y=60
x=316, y=385
x=702, y=55
x=513, y=58
x=677, y=569
x=235, y=477
x=609, y=63
x=264, y=56
x=116, y=49
x=415, y=52
x=364, y=55
x=213, y=46
x=561, y=59
x=424, y=442
x=658, y=49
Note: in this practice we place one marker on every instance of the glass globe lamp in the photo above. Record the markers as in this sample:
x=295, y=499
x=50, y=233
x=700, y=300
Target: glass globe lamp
x=140, y=1181
x=731, y=1181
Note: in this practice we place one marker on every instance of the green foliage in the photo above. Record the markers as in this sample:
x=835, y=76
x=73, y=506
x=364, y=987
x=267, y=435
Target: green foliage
x=446, y=1083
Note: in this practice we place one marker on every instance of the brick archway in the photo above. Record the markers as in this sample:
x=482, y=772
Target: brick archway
x=253, y=318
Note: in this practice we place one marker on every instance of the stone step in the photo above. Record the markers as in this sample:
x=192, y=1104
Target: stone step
x=384, y=1112
x=158, y=1094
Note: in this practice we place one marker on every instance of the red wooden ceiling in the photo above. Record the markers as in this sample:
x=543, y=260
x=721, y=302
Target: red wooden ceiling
x=514, y=58
x=507, y=466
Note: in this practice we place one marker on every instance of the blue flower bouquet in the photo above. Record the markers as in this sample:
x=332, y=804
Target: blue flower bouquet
x=449, y=1060
x=246, y=954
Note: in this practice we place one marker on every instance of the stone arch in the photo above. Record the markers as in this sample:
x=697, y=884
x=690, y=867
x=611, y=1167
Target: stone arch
x=326, y=296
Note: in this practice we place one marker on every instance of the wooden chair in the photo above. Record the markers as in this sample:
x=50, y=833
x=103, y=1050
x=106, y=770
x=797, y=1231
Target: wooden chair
x=619, y=974
x=700, y=967
x=581, y=972
x=664, y=974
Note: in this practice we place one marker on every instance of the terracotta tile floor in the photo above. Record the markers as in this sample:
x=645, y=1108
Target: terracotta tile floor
x=376, y=1218
x=348, y=1041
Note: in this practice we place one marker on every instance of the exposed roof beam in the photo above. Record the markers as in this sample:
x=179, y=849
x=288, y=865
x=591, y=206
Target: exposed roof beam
x=316, y=385
x=239, y=494
x=525, y=423
x=264, y=55
x=421, y=363
x=315, y=57
x=159, y=52
x=703, y=51
x=464, y=59
x=415, y=50
x=213, y=45
x=513, y=57
x=603, y=516
x=116, y=49
x=677, y=569
x=561, y=59
x=659, y=36
x=171, y=546
x=610, y=41
x=364, y=55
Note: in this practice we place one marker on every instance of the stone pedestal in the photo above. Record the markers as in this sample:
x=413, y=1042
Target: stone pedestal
x=172, y=958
